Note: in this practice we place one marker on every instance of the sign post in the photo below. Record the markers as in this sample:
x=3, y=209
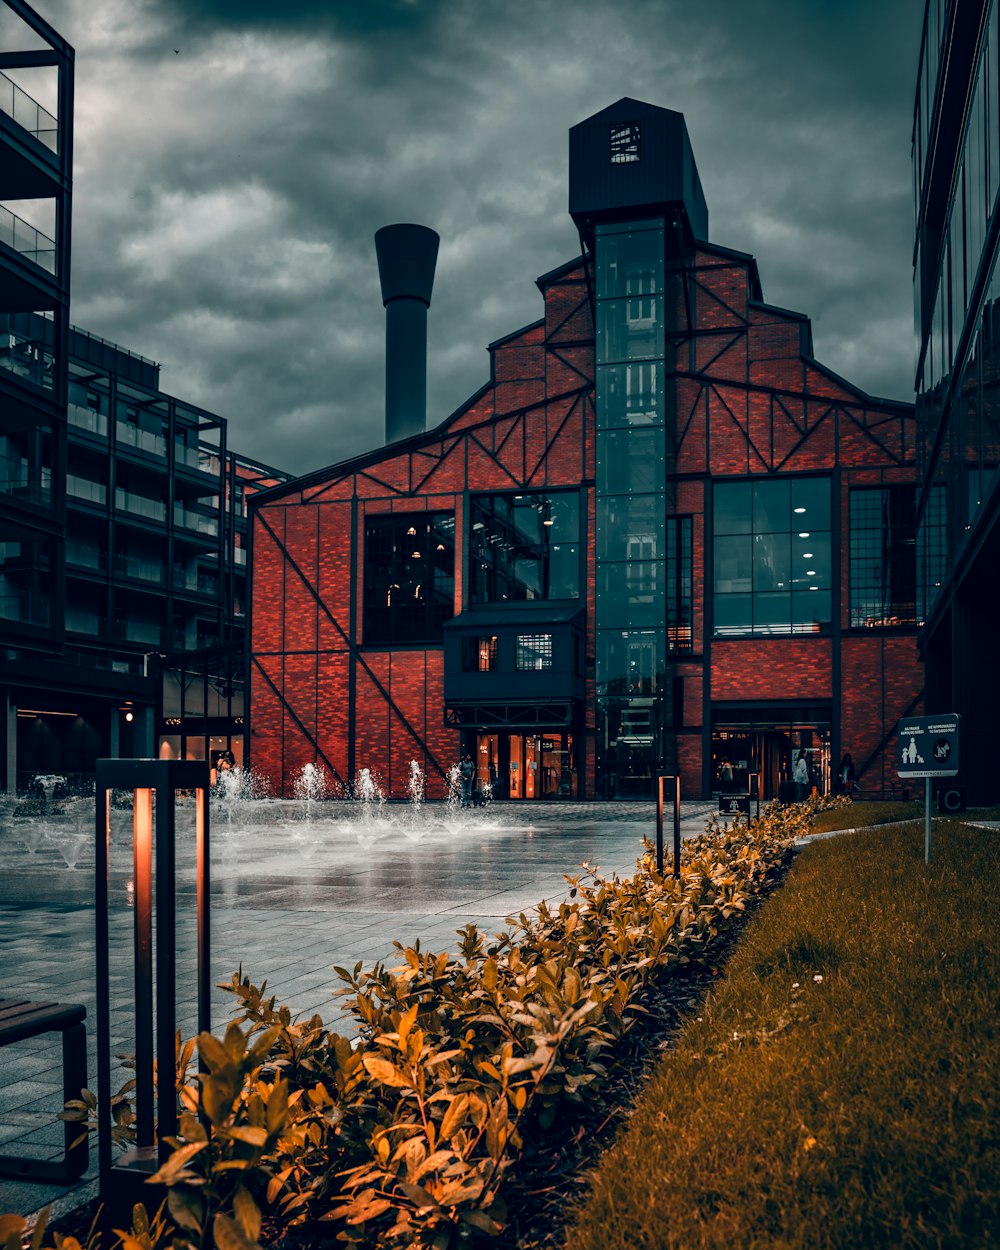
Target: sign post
x=927, y=747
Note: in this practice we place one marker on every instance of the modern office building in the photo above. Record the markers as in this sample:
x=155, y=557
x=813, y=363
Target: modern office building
x=956, y=176
x=661, y=537
x=152, y=597
x=122, y=511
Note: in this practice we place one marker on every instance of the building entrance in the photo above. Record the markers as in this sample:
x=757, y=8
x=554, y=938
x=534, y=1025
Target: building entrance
x=770, y=750
x=527, y=766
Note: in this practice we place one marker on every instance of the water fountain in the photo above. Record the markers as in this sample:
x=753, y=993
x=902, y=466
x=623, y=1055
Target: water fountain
x=48, y=782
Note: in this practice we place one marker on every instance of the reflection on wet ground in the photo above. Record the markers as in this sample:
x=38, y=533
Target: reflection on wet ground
x=290, y=899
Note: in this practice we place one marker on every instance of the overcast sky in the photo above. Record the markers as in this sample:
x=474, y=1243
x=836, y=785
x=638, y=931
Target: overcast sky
x=234, y=159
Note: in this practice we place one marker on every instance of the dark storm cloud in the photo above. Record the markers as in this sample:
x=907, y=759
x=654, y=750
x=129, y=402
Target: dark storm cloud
x=234, y=161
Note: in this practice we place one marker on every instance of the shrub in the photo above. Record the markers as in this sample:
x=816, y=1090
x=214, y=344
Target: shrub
x=402, y=1137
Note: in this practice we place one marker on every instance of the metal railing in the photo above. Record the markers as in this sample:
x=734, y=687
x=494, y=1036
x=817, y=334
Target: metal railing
x=28, y=113
x=27, y=241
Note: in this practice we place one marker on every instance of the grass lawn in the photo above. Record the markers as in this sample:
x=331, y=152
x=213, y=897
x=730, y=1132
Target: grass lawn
x=841, y=1087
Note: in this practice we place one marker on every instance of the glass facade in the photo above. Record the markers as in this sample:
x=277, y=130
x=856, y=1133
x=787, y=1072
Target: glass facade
x=883, y=556
x=409, y=577
x=641, y=573
x=956, y=298
x=525, y=546
x=772, y=556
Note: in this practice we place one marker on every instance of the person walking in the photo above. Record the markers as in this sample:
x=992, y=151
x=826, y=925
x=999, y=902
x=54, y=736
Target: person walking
x=845, y=775
x=466, y=771
x=800, y=775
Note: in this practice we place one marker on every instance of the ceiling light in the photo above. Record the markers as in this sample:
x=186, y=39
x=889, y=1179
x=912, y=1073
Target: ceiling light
x=415, y=555
x=803, y=533
x=799, y=509
x=807, y=555
x=810, y=572
x=411, y=530
x=814, y=588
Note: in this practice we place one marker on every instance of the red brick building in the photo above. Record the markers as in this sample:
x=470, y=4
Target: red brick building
x=662, y=536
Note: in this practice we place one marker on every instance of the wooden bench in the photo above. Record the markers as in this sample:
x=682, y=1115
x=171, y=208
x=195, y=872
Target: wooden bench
x=19, y=1021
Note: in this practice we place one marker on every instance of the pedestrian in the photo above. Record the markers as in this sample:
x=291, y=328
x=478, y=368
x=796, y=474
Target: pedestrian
x=800, y=775
x=845, y=775
x=466, y=771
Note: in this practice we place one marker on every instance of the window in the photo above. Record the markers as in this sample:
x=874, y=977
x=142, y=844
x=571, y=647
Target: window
x=624, y=143
x=525, y=547
x=883, y=556
x=479, y=655
x=772, y=556
x=409, y=576
x=534, y=651
x=679, y=580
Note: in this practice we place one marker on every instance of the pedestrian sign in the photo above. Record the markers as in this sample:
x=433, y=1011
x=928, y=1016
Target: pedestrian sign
x=928, y=746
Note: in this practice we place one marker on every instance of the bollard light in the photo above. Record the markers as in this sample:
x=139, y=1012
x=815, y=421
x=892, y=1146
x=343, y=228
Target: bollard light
x=663, y=787
x=154, y=862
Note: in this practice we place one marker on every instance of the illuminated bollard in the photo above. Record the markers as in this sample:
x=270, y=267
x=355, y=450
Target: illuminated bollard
x=155, y=1022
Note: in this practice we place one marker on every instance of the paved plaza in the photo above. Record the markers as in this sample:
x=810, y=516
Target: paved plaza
x=293, y=894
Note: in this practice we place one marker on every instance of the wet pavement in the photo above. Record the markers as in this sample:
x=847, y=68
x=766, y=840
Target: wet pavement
x=295, y=891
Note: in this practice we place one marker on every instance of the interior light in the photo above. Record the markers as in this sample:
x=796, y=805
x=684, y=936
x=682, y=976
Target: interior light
x=415, y=555
x=440, y=547
x=803, y=533
x=129, y=717
x=800, y=509
x=810, y=572
x=548, y=521
x=814, y=588
x=411, y=530
x=807, y=555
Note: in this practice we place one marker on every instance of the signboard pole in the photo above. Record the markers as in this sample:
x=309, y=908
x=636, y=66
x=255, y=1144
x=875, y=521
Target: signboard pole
x=928, y=748
x=927, y=820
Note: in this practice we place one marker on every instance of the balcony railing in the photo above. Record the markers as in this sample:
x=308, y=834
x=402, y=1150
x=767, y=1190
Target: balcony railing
x=84, y=488
x=144, y=570
x=27, y=241
x=22, y=605
x=87, y=419
x=28, y=113
x=197, y=521
x=84, y=555
x=197, y=458
x=144, y=440
x=139, y=505
x=138, y=631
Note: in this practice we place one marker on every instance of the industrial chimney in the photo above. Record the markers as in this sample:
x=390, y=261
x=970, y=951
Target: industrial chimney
x=407, y=255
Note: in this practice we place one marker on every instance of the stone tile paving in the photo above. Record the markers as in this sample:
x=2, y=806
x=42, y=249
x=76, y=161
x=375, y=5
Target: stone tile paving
x=290, y=899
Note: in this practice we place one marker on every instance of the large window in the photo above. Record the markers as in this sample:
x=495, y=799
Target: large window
x=772, y=556
x=409, y=576
x=533, y=651
x=883, y=556
x=525, y=547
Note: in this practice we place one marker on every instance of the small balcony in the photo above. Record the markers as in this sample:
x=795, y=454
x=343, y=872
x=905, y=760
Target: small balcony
x=29, y=114
x=28, y=242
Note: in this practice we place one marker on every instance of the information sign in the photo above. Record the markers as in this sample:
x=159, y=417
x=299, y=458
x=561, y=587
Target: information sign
x=928, y=746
